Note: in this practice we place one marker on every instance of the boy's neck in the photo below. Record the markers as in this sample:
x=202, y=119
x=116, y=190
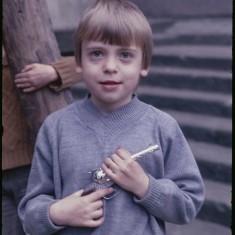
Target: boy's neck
x=107, y=108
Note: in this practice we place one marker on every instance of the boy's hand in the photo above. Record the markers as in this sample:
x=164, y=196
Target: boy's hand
x=80, y=211
x=126, y=172
x=35, y=76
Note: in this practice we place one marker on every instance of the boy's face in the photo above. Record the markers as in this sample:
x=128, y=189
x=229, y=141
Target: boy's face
x=111, y=73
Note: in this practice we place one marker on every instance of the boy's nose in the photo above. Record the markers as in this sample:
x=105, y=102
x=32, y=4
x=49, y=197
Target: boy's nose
x=110, y=65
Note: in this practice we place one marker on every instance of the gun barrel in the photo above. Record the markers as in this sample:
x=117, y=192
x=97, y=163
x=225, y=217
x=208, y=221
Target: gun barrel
x=145, y=151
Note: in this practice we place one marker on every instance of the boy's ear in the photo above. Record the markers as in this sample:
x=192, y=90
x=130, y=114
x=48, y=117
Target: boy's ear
x=144, y=72
x=78, y=69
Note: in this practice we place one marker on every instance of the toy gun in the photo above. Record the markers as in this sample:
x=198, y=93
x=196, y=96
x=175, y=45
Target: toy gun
x=101, y=180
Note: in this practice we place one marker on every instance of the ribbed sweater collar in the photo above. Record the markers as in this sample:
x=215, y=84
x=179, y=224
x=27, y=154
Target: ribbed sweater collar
x=118, y=119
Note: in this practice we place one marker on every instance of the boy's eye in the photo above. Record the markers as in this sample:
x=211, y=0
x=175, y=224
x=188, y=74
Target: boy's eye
x=126, y=55
x=96, y=53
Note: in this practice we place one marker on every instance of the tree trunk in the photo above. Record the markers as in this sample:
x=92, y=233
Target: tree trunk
x=28, y=38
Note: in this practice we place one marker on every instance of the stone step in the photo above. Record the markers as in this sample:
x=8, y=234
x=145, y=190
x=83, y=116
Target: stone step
x=197, y=51
x=204, y=128
x=209, y=31
x=202, y=121
x=185, y=9
x=214, y=161
x=211, y=103
x=189, y=78
x=217, y=205
x=188, y=56
x=192, y=26
x=196, y=227
x=192, y=39
x=65, y=42
x=216, y=208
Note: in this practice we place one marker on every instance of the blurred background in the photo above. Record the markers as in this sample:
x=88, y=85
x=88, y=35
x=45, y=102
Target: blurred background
x=191, y=79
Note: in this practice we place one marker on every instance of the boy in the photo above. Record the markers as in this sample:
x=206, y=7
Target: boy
x=113, y=46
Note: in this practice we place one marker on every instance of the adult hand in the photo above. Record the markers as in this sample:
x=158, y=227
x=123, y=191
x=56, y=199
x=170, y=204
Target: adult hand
x=80, y=211
x=126, y=172
x=35, y=76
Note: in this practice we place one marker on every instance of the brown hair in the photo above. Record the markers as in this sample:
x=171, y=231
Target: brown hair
x=117, y=22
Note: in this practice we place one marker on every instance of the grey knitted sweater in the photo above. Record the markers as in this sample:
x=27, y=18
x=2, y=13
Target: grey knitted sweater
x=77, y=140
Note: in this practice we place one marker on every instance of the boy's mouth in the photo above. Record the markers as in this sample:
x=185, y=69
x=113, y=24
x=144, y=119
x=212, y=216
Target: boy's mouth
x=110, y=83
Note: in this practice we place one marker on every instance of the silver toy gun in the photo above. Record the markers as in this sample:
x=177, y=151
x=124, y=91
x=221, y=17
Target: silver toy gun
x=101, y=180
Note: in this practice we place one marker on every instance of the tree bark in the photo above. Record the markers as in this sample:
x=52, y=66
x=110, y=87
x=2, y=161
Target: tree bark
x=28, y=38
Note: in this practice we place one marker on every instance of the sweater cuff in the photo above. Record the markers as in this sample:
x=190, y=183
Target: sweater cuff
x=47, y=226
x=154, y=196
x=66, y=69
x=54, y=226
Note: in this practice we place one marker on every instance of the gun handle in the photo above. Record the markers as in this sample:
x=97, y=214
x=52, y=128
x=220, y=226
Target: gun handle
x=88, y=191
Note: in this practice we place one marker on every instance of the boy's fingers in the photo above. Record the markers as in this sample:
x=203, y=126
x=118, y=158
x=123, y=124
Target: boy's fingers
x=123, y=153
x=99, y=194
x=95, y=222
x=96, y=214
x=95, y=195
x=116, y=159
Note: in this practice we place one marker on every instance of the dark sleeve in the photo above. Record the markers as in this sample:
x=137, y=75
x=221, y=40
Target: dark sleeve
x=66, y=69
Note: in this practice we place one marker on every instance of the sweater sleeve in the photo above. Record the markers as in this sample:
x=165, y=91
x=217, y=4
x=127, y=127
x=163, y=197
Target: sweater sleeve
x=66, y=69
x=34, y=207
x=178, y=196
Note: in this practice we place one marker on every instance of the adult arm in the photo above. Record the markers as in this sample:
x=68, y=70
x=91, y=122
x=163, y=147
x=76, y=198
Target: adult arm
x=58, y=75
